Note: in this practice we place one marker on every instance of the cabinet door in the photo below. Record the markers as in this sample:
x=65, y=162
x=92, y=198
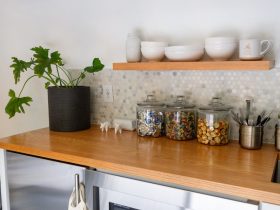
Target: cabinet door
x=39, y=184
x=268, y=206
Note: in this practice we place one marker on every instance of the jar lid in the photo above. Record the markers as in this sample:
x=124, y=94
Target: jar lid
x=180, y=103
x=216, y=105
x=150, y=101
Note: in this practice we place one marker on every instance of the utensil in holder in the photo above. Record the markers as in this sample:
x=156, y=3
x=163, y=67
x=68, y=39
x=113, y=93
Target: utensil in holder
x=251, y=137
x=277, y=137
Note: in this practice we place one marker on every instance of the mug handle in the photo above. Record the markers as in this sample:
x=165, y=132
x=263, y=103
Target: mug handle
x=268, y=45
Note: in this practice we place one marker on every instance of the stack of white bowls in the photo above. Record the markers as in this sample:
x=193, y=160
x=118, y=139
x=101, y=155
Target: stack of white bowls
x=153, y=51
x=220, y=48
x=192, y=52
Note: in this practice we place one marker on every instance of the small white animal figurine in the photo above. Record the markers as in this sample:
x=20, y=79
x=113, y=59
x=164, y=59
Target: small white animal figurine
x=104, y=126
x=118, y=129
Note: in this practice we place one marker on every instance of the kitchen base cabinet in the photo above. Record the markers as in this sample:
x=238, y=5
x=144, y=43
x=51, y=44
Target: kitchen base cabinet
x=111, y=192
x=5, y=200
x=268, y=206
x=39, y=184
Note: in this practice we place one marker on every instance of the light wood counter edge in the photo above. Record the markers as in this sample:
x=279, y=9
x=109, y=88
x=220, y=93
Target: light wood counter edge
x=184, y=181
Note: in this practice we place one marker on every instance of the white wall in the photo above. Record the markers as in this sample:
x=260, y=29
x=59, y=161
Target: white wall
x=82, y=29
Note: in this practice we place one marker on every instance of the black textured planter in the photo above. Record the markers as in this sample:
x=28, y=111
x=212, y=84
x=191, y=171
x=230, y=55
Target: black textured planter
x=69, y=108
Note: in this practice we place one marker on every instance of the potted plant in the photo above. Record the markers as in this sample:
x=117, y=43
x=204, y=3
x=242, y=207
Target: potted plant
x=69, y=103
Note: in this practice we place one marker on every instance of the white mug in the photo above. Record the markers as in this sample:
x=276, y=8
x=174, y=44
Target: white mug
x=253, y=49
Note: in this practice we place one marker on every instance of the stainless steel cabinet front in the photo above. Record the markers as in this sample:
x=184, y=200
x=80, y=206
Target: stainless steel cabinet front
x=103, y=188
x=39, y=184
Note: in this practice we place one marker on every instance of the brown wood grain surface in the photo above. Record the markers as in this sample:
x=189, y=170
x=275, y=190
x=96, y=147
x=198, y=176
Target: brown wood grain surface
x=223, y=169
x=198, y=65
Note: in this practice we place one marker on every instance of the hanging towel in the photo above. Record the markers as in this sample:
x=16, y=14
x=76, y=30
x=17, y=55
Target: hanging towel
x=72, y=201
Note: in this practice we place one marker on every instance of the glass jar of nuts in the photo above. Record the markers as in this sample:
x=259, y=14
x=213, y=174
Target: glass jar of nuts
x=180, y=120
x=213, y=123
x=150, y=117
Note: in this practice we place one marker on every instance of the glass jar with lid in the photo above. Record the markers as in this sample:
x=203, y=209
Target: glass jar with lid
x=213, y=123
x=150, y=117
x=180, y=120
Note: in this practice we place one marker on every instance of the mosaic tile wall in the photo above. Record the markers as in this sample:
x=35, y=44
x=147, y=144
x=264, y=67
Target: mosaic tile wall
x=198, y=86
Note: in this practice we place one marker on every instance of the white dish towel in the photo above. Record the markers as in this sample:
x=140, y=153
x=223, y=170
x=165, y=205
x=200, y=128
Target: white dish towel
x=72, y=201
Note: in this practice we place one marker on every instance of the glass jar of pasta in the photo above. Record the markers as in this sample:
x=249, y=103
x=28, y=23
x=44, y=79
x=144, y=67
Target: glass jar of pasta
x=213, y=123
x=180, y=120
x=150, y=117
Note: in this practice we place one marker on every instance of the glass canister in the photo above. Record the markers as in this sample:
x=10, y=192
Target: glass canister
x=150, y=117
x=213, y=123
x=180, y=120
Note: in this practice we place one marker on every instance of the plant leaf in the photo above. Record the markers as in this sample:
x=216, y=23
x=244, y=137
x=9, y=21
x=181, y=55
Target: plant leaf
x=83, y=75
x=43, y=60
x=95, y=67
x=47, y=84
x=57, y=80
x=88, y=69
x=56, y=59
x=41, y=53
x=19, y=66
x=12, y=93
x=15, y=104
x=39, y=70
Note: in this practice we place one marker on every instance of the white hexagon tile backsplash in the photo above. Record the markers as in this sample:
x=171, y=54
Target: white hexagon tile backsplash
x=199, y=87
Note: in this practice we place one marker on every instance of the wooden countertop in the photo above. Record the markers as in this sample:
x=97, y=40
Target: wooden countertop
x=224, y=169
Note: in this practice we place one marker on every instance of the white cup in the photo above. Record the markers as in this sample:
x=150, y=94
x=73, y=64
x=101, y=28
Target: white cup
x=253, y=49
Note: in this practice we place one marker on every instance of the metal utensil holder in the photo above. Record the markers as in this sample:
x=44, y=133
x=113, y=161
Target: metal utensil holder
x=277, y=137
x=251, y=137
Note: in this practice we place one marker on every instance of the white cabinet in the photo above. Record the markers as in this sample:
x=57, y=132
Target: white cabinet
x=268, y=206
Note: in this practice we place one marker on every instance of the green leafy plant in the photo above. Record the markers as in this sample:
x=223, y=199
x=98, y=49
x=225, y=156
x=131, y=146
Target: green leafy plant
x=47, y=66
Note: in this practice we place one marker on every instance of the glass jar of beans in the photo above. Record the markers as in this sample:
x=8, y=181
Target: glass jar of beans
x=150, y=117
x=180, y=120
x=213, y=123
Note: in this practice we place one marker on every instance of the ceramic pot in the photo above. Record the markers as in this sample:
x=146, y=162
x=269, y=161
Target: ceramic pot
x=69, y=108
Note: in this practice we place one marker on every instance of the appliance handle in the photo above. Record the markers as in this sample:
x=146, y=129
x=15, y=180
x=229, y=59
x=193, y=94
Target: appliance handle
x=95, y=200
x=77, y=188
x=92, y=192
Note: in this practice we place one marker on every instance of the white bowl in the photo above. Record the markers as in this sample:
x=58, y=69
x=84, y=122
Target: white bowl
x=153, y=53
x=220, y=52
x=153, y=44
x=184, y=53
x=220, y=40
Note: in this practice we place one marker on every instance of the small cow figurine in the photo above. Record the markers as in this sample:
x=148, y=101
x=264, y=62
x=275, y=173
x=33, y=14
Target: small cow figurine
x=118, y=128
x=104, y=126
